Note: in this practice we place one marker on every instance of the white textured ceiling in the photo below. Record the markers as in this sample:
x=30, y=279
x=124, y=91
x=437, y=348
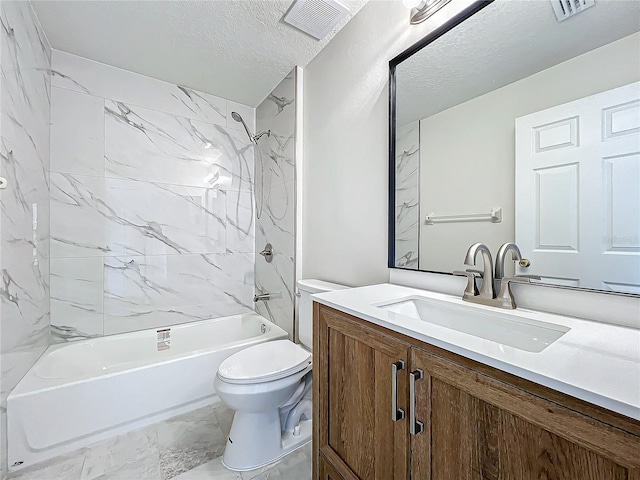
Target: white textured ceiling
x=505, y=42
x=235, y=49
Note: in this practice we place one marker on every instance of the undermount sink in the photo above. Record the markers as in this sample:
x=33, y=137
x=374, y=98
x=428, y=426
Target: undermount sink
x=516, y=331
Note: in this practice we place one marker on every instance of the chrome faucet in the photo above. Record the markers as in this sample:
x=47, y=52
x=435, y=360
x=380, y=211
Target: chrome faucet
x=504, y=298
x=500, y=258
x=261, y=296
x=264, y=296
x=486, y=292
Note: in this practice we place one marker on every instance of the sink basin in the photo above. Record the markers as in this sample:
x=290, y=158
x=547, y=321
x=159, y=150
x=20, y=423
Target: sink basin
x=516, y=331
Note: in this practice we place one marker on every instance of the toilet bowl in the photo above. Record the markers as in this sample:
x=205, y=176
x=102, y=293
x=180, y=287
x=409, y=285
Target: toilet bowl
x=269, y=387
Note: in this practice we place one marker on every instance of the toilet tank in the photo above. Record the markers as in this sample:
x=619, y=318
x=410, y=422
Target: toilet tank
x=305, y=307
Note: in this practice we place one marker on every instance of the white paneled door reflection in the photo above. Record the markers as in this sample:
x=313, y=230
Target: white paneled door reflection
x=578, y=191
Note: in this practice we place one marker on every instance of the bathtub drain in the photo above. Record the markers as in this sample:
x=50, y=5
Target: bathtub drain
x=263, y=328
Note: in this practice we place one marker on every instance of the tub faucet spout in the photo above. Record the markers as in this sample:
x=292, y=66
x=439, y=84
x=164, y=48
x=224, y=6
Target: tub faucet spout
x=262, y=296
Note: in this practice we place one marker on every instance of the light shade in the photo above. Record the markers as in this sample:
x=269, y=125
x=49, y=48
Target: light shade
x=425, y=10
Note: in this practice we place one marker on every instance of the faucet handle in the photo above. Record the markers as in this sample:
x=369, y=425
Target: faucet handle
x=479, y=272
x=505, y=297
x=472, y=288
x=468, y=273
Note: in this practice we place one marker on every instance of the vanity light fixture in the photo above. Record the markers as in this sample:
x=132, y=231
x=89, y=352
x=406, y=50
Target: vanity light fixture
x=423, y=9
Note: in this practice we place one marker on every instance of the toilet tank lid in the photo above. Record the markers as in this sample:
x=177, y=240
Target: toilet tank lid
x=318, y=286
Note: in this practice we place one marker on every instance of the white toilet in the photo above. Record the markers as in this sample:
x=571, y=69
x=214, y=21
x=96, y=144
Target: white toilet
x=269, y=387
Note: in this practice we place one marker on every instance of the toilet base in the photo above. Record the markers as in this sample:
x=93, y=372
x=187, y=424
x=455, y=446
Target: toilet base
x=256, y=441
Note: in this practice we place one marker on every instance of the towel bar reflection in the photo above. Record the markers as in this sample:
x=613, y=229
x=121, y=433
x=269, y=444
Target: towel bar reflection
x=494, y=216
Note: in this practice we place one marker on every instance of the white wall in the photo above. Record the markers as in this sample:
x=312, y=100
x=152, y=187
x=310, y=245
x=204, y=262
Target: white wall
x=478, y=138
x=346, y=143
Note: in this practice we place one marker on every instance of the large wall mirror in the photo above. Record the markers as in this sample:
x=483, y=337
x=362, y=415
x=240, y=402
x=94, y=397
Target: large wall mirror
x=510, y=125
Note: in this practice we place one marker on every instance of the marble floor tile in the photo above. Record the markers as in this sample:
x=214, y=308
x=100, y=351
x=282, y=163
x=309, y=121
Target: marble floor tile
x=189, y=440
x=133, y=455
x=157, y=452
x=295, y=466
x=210, y=470
x=185, y=447
x=56, y=469
x=224, y=415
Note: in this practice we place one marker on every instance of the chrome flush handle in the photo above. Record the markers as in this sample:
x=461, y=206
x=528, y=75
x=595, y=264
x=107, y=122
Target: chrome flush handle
x=396, y=413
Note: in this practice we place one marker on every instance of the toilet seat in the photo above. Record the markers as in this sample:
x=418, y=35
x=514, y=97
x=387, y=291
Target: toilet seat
x=264, y=362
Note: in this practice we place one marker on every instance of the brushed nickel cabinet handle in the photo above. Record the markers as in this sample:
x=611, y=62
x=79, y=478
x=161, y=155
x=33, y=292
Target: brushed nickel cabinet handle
x=396, y=413
x=415, y=426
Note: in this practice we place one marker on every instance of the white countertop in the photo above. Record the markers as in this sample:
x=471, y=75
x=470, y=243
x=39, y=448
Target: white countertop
x=596, y=362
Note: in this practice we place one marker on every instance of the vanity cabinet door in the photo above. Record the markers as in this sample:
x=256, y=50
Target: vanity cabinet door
x=477, y=427
x=327, y=472
x=354, y=395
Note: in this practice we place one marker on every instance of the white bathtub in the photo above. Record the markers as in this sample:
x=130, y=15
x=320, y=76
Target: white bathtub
x=82, y=392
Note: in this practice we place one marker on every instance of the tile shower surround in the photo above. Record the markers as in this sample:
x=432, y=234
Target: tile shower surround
x=152, y=220
x=25, y=61
x=275, y=174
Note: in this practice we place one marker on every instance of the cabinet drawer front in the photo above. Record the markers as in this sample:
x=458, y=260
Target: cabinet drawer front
x=481, y=428
x=354, y=390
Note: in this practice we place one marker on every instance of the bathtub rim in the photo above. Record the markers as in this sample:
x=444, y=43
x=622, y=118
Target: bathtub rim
x=31, y=383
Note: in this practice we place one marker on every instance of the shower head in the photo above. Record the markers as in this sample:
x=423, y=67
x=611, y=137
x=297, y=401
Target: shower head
x=254, y=138
x=238, y=118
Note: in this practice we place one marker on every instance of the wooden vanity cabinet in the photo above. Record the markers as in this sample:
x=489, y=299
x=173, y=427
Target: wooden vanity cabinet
x=478, y=423
x=354, y=428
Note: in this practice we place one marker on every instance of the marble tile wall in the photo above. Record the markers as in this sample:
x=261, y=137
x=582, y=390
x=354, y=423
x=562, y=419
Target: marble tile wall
x=152, y=219
x=407, y=195
x=275, y=203
x=25, y=82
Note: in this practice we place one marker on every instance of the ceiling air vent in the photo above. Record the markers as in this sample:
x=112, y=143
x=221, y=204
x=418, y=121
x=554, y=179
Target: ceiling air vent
x=316, y=17
x=568, y=8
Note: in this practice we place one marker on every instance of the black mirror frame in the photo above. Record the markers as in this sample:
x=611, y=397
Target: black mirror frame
x=434, y=35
